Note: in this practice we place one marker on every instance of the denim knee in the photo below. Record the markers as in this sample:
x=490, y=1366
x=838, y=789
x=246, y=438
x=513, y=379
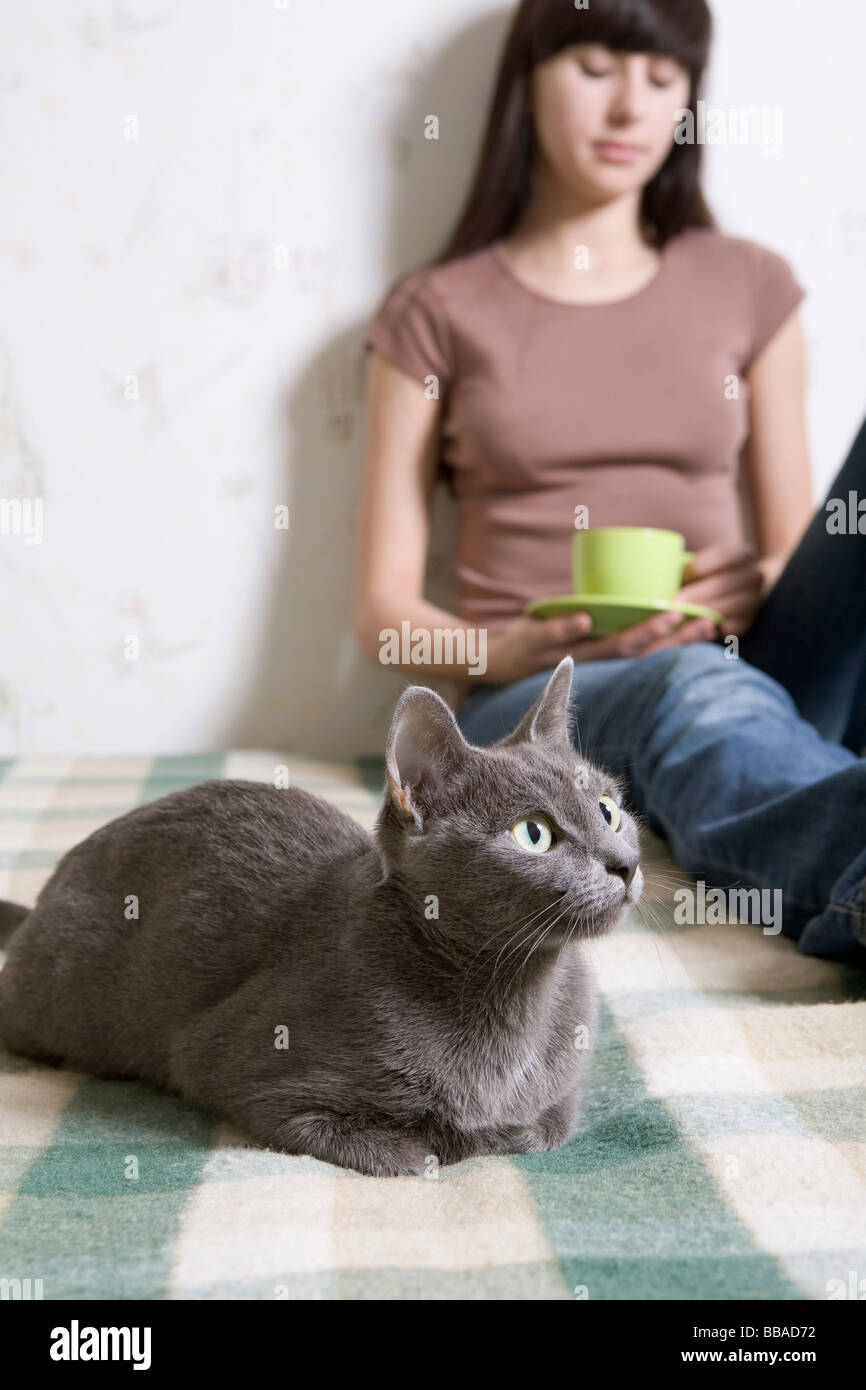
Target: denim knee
x=706, y=674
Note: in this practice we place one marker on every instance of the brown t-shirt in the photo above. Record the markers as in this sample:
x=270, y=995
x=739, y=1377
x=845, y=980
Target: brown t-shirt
x=636, y=410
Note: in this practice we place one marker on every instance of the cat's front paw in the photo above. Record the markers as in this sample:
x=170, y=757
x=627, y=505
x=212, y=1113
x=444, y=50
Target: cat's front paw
x=387, y=1157
x=546, y=1133
x=549, y=1132
x=375, y=1150
x=534, y=1141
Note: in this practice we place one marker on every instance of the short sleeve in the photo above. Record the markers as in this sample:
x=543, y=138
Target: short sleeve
x=412, y=330
x=774, y=294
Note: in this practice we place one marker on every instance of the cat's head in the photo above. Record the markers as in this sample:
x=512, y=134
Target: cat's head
x=523, y=826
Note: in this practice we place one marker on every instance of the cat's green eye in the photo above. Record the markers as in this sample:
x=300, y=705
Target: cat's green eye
x=533, y=834
x=610, y=811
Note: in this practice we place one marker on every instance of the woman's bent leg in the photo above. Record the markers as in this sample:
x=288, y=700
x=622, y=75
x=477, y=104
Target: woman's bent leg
x=718, y=759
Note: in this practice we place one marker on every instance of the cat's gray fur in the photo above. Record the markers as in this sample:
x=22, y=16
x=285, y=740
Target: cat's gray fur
x=413, y=1037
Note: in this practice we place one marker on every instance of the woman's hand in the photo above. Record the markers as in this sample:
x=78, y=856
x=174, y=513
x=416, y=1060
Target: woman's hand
x=729, y=577
x=528, y=645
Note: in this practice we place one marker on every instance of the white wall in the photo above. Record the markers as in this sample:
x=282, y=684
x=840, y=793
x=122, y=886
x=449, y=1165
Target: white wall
x=263, y=126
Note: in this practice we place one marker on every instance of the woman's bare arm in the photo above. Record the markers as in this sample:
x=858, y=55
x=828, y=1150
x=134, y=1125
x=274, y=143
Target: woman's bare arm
x=394, y=518
x=733, y=576
x=776, y=458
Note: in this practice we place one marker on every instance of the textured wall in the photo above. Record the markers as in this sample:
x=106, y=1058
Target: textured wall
x=202, y=203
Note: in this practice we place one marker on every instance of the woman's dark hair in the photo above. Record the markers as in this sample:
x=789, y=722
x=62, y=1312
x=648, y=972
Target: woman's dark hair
x=672, y=200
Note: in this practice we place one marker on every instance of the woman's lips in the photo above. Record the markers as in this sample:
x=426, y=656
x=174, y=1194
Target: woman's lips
x=617, y=153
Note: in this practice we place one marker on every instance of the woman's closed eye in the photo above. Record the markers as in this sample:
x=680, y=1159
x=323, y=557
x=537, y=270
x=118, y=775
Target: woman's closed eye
x=592, y=70
x=595, y=61
x=666, y=78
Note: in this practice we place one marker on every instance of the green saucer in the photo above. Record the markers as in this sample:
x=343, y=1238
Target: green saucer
x=613, y=614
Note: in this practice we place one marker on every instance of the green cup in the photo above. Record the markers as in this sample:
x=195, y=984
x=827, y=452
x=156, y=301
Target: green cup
x=634, y=562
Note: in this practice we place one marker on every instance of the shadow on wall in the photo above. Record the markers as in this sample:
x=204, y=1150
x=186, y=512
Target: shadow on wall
x=313, y=690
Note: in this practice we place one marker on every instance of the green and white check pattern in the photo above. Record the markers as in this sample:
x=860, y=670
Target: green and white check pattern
x=722, y=1152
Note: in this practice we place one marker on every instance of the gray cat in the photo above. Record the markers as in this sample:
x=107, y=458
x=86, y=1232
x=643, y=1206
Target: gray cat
x=382, y=1002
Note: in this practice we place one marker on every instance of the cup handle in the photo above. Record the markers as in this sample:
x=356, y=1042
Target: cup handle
x=688, y=556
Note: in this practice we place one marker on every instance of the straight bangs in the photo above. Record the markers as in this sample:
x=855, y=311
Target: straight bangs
x=679, y=29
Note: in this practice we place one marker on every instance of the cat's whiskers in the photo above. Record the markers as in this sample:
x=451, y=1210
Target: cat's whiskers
x=542, y=929
x=535, y=946
x=662, y=880
x=485, y=945
x=518, y=959
x=572, y=928
x=646, y=904
x=535, y=935
x=663, y=930
x=523, y=925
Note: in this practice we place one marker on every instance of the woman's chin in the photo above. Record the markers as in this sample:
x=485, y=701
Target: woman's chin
x=603, y=180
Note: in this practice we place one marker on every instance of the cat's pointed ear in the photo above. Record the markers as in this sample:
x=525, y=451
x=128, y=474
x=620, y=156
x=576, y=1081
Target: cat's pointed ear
x=424, y=745
x=547, y=720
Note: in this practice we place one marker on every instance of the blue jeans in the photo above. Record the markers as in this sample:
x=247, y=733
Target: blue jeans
x=750, y=767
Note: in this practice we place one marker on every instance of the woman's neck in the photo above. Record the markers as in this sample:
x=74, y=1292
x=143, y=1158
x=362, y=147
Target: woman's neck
x=567, y=248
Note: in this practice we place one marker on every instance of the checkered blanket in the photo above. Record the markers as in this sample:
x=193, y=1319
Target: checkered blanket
x=722, y=1152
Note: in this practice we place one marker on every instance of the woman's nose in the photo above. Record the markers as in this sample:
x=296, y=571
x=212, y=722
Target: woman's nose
x=629, y=101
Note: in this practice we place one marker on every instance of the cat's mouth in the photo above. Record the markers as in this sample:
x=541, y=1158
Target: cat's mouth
x=602, y=915
x=594, y=915
x=635, y=888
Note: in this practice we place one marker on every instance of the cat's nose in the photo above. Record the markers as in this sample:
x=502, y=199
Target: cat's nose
x=624, y=864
